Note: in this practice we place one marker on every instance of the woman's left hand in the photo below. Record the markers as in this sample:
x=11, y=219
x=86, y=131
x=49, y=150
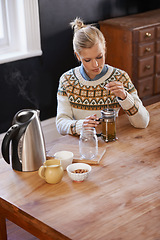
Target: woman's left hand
x=116, y=88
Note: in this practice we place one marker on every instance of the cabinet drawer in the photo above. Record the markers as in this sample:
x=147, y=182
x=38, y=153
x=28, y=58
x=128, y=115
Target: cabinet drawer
x=158, y=46
x=145, y=49
x=145, y=67
x=158, y=63
x=145, y=87
x=146, y=34
x=158, y=32
x=157, y=84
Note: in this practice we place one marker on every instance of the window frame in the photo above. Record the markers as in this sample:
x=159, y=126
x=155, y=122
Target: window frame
x=3, y=25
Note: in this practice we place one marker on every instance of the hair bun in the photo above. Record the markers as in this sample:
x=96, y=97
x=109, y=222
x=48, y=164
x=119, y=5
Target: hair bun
x=77, y=24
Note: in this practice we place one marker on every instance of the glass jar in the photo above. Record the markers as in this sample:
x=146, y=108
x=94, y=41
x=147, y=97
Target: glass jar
x=88, y=143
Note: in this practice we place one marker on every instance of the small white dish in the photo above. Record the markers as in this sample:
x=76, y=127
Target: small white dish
x=65, y=157
x=78, y=177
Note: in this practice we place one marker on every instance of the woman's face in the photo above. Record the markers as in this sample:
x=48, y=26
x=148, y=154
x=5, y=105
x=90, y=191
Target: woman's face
x=93, y=59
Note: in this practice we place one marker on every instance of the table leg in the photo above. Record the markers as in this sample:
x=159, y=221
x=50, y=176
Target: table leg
x=3, y=230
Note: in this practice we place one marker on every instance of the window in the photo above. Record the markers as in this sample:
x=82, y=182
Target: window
x=19, y=30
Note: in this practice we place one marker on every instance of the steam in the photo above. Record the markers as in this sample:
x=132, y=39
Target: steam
x=22, y=84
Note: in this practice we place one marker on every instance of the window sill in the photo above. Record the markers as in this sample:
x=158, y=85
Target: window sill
x=14, y=56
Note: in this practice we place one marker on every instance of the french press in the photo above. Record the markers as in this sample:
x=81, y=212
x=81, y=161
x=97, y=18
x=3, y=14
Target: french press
x=108, y=124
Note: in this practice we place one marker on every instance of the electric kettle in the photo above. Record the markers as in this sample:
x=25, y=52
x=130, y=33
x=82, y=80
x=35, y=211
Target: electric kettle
x=27, y=142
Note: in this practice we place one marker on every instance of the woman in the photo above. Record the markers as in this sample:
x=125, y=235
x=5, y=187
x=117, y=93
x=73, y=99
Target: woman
x=83, y=91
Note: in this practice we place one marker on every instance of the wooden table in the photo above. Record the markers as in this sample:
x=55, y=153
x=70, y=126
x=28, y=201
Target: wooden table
x=119, y=200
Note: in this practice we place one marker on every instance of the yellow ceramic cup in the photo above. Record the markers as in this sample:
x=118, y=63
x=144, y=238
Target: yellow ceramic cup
x=51, y=171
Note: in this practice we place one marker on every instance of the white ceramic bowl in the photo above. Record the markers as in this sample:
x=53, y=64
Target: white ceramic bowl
x=65, y=157
x=78, y=177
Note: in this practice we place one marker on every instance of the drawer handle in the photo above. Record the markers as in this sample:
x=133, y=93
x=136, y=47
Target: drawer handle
x=146, y=89
x=147, y=67
x=148, y=34
x=148, y=49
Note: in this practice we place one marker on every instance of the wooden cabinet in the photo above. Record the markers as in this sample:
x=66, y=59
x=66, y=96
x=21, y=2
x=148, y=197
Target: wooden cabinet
x=133, y=44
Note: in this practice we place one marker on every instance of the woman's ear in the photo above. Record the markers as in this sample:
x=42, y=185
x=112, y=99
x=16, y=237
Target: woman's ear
x=78, y=57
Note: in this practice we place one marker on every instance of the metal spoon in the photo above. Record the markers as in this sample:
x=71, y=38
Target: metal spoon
x=107, y=97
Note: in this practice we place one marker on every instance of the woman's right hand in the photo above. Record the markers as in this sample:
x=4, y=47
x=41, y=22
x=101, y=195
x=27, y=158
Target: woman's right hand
x=91, y=121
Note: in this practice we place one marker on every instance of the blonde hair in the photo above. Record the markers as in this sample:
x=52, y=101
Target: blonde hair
x=85, y=36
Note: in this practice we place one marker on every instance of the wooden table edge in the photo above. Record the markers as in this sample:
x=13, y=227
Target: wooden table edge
x=27, y=222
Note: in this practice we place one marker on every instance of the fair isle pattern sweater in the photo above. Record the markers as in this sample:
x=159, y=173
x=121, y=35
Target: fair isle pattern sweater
x=79, y=98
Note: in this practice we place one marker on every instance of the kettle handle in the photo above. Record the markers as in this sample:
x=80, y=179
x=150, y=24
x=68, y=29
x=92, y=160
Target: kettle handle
x=6, y=141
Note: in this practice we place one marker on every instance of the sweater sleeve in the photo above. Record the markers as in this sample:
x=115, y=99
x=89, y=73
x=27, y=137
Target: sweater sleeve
x=136, y=112
x=65, y=117
x=132, y=105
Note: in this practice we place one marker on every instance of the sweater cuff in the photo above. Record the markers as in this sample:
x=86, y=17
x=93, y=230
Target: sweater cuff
x=79, y=126
x=127, y=103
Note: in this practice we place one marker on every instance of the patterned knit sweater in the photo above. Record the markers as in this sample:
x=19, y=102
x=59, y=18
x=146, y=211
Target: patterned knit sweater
x=79, y=98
